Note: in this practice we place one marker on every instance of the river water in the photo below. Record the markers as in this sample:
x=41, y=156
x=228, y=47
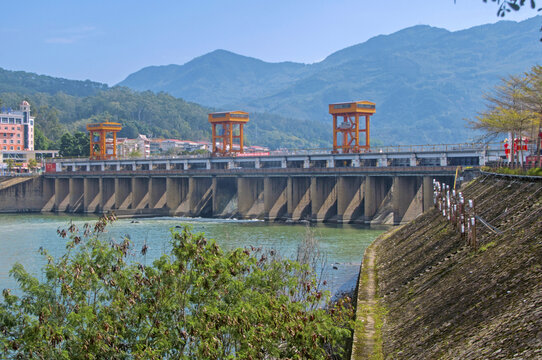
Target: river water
x=343, y=245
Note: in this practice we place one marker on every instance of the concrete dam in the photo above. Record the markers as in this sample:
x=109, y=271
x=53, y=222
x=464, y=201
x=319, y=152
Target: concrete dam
x=374, y=187
x=342, y=195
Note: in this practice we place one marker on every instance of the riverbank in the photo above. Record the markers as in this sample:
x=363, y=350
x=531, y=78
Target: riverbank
x=439, y=298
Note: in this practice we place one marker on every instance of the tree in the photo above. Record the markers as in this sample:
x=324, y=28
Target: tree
x=40, y=141
x=135, y=154
x=32, y=164
x=10, y=163
x=505, y=6
x=512, y=108
x=532, y=100
x=198, y=302
x=75, y=145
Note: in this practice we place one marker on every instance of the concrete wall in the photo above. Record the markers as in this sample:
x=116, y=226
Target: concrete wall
x=31, y=194
x=342, y=199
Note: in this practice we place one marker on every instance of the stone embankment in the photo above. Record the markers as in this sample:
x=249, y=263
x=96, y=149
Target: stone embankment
x=438, y=298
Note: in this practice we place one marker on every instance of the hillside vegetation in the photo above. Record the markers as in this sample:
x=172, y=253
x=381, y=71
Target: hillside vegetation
x=424, y=80
x=62, y=105
x=442, y=300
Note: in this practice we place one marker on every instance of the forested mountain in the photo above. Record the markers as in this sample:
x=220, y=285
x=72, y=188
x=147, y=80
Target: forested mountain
x=156, y=115
x=30, y=83
x=424, y=80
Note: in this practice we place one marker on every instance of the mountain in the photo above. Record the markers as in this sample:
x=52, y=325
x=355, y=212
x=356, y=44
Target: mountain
x=204, y=77
x=424, y=80
x=62, y=105
x=30, y=83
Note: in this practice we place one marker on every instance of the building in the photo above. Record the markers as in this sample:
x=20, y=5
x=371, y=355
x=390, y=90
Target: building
x=128, y=147
x=17, y=129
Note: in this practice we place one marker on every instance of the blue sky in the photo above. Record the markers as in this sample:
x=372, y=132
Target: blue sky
x=108, y=40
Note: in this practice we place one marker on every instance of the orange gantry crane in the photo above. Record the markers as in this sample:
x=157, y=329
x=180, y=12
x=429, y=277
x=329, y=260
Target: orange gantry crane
x=225, y=134
x=349, y=129
x=98, y=146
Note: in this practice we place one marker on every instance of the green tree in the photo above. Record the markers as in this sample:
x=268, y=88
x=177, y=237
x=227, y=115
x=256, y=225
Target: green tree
x=10, y=163
x=135, y=154
x=47, y=121
x=32, y=164
x=40, y=141
x=506, y=6
x=532, y=100
x=75, y=145
x=513, y=108
x=197, y=302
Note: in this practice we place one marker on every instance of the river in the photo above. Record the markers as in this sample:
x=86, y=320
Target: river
x=21, y=235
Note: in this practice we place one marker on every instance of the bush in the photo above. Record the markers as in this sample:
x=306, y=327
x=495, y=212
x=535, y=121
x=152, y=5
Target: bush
x=198, y=302
x=535, y=172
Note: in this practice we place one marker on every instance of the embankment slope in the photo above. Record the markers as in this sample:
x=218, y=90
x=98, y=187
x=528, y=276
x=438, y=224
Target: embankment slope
x=445, y=301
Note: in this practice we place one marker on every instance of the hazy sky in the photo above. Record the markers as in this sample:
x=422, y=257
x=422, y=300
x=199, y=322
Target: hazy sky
x=107, y=40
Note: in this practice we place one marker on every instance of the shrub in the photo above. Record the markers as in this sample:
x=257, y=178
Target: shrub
x=198, y=302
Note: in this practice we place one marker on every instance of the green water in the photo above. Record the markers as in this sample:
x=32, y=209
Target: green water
x=343, y=245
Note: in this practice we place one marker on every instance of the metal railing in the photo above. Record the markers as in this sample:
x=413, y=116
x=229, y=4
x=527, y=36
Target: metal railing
x=317, y=151
x=263, y=171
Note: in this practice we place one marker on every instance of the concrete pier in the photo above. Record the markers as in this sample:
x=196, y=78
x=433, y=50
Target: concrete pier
x=123, y=194
x=200, y=196
x=177, y=196
x=92, y=196
x=350, y=199
x=298, y=194
x=275, y=198
x=224, y=199
x=323, y=198
x=107, y=189
x=62, y=194
x=250, y=193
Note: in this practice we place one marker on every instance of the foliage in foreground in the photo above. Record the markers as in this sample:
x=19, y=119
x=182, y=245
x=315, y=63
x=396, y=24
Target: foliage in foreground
x=198, y=302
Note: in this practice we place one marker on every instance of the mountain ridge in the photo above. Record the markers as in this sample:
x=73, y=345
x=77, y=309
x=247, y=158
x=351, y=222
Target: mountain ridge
x=424, y=80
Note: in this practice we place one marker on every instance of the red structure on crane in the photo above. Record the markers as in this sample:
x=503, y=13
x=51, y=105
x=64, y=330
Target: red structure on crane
x=348, y=130
x=224, y=134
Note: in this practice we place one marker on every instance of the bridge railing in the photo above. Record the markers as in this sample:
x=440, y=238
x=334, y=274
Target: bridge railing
x=264, y=171
x=320, y=151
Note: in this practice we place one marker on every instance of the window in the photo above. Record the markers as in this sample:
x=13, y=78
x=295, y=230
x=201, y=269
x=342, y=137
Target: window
x=18, y=135
x=5, y=148
x=11, y=147
x=18, y=141
x=5, y=141
x=239, y=116
x=11, y=141
x=342, y=106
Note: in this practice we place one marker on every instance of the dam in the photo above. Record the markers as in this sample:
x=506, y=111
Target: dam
x=381, y=187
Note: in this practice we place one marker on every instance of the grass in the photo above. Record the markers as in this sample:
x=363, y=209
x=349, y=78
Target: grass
x=509, y=171
x=487, y=246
